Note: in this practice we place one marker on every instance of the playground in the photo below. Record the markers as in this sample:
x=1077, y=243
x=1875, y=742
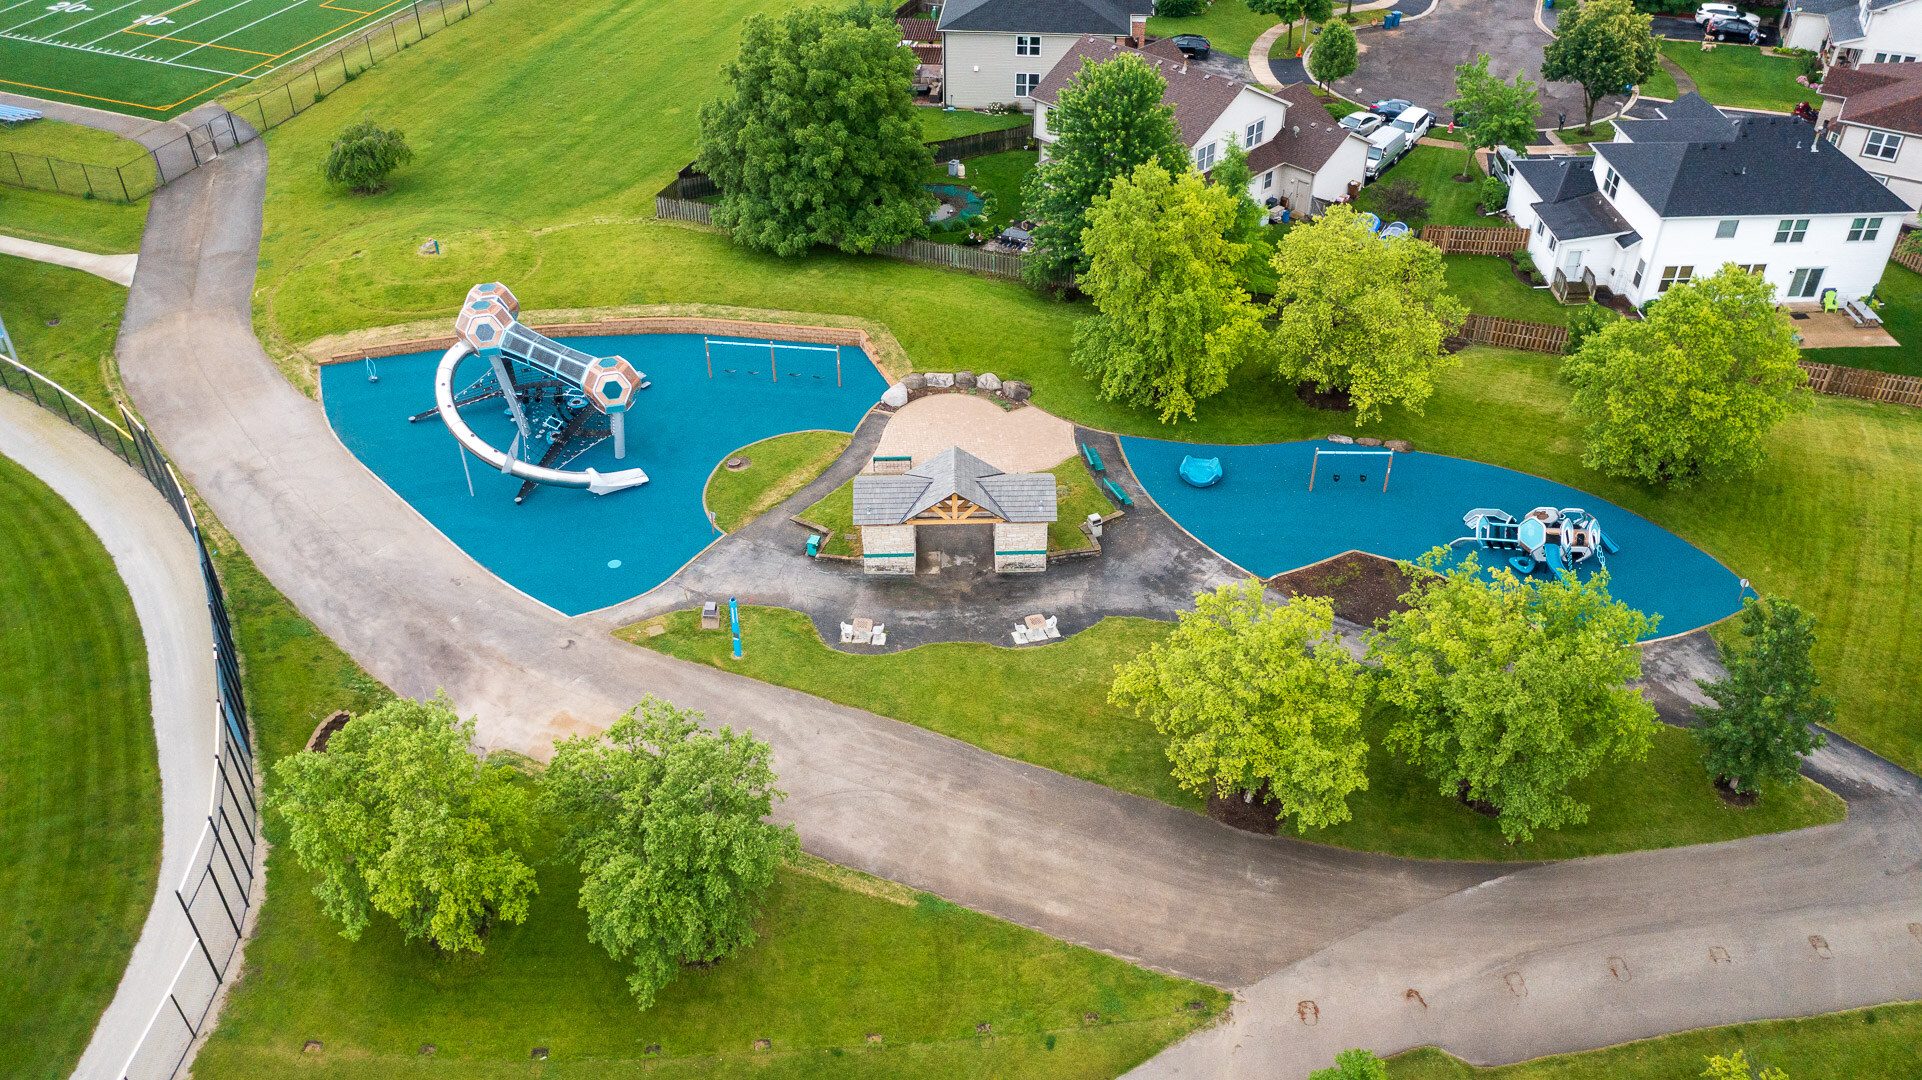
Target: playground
x=1261, y=515
x=568, y=547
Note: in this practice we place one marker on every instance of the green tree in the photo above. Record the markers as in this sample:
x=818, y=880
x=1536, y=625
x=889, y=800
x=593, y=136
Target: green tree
x=1604, y=46
x=1336, y=55
x=1171, y=317
x=364, y=154
x=1362, y=314
x=1254, y=695
x=1353, y=1065
x=1736, y=1067
x=1760, y=729
x=1490, y=112
x=1232, y=175
x=668, y=823
x=1587, y=321
x=1510, y=689
x=814, y=139
x=397, y=816
x=1107, y=121
x=1690, y=392
x=1289, y=11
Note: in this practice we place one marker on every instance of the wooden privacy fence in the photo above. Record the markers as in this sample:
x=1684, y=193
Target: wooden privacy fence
x=1475, y=239
x=1514, y=334
x=1866, y=385
x=956, y=256
x=1910, y=259
x=982, y=142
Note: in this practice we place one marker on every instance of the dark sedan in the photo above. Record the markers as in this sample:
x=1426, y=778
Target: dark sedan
x=1193, y=46
x=1389, y=108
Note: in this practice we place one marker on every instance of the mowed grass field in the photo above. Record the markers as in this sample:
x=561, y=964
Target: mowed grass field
x=79, y=784
x=159, y=58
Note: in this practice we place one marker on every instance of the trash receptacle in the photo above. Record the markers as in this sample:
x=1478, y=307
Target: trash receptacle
x=814, y=545
x=1548, y=5
x=1391, y=20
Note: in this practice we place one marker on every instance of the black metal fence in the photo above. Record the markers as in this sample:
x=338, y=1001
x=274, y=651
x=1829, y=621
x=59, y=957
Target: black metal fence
x=296, y=90
x=219, y=888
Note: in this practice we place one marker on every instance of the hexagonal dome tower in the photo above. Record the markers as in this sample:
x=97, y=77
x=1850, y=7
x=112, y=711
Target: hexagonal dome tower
x=485, y=316
x=611, y=384
x=499, y=292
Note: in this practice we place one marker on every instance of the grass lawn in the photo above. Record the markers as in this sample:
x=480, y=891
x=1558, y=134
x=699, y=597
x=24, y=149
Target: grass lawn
x=1883, y=1043
x=1487, y=285
x=1432, y=169
x=939, y=124
x=1076, y=496
x=1739, y=76
x=835, y=512
x=79, y=786
x=1228, y=25
x=1603, y=132
x=841, y=955
x=778, y=467
x=77, y=352
x=997, y=175
x=1050, y=707
x=68, y=142
x=1901, y=317
x=105, y=228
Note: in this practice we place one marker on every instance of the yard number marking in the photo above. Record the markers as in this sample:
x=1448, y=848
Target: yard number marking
x=68, y=5
x=151, y=20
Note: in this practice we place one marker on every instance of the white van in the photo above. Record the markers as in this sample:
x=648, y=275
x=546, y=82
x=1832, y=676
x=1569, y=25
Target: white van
x=1416, y=121
x=1385, y=147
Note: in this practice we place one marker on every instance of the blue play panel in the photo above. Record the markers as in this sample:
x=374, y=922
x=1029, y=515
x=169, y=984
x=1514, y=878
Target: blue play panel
x=1262, y=517
x=567, y=548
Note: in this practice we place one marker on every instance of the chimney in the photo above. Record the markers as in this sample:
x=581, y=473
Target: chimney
x=1138, y=29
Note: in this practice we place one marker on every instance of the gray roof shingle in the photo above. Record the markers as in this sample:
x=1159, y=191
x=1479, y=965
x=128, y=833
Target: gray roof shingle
x=1043, y=16
x=1579, y=218
x=1770, y=165
x=1845, y=25
x=892, y=500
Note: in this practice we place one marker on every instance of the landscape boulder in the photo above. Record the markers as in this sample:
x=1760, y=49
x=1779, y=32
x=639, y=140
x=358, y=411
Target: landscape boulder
x=1400, y=446
x=964, y=380
x=1348, y=439
x=1367, y=440
x=915, y=381
x=1016, y=390
x=988, y=380
x=942, y=379
x=896, y=395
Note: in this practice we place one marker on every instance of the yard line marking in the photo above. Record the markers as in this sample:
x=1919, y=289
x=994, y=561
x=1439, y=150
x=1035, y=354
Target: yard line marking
x=184, y=41
x=10, y=7
x=191, y=25
x=328, y=37
x=250, y=25
x=124, y=56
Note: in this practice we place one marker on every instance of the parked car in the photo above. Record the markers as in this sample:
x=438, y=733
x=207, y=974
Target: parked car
x=1192, y=46
x=1723, y=11
x=1416, y=121
x=1363, y=123
x=1504, y=161
x=1389, y=108
x=1738, y=28
x=1385, y=147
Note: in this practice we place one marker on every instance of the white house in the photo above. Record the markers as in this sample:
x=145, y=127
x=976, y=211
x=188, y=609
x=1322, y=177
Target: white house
x=997, y=51
x=1851, y=32
x=1301, y=157
x=1874, y=114
x=1676, y=198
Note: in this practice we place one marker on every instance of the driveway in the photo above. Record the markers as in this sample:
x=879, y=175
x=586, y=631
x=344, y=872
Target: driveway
x=1679, y=29
x=1417, y=61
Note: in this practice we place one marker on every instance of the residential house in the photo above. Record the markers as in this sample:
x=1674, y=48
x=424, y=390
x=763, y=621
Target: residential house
x=1301, y=157
x=996, y=52
x=1852, y=32
x=1874, y=114
x=1676, y=198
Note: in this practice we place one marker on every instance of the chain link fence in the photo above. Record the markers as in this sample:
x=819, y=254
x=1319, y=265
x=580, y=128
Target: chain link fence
x=219, y=889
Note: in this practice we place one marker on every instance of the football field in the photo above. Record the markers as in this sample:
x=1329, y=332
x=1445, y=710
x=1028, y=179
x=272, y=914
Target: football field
x=159, y=58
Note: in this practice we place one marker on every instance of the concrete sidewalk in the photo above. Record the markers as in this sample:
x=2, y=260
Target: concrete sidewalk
x=157, y=560
x=118, y=269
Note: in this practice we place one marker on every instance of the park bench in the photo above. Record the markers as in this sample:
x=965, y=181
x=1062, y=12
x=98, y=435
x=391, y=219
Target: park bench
x=1120, y=497
x=13, y=114
x=1093, y=458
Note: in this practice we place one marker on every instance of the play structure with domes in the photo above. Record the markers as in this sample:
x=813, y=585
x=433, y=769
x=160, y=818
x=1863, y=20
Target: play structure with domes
x=558, y=397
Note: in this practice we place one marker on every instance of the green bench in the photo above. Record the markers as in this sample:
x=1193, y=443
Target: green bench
x=1094, y=459
x=1114, y=492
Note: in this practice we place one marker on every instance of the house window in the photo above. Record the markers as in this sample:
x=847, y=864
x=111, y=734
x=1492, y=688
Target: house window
x=1538, y=226
x=1205, y=157
x=1611, y=182
x=1864, y=228
x=1894, y=58
x=1751, y=268
x=1267, y=179
x=1640, y=267
x=1791, y=230
x=1882, y=144
x=1726, y=229
x=1806, y=283
x=1024, y=84
x=1675, y=275
x=1024, y=45
x=1254, y=133
x=1551, y=243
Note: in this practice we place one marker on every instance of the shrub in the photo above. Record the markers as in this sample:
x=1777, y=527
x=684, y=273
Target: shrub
x=1179, y=9
x=1401, y=200
x=1494, y=194
x=1812, y=68
x=364, y=154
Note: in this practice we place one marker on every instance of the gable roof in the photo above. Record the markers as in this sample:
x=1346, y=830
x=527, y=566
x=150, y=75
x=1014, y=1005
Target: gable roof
x=1689, y=118
x=1558, y=179
x=1822, y=7
x=1583, y=216
x=1308, y=139
x=1878, y=95
x=1044, y=16
x=893, y=500
x=1845, y=25
x=1199, y=97
x=1764, y=165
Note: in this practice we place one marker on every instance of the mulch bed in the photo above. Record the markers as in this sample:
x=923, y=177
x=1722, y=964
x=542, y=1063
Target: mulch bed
x=1733, y=797
x=1263, y=815
x=318, y=741
x=1331, y=401
x=1364, y=587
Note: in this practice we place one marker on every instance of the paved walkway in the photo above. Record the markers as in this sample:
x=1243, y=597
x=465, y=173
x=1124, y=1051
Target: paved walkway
x=115, y=268
x=157, y=561
x=1014, y=441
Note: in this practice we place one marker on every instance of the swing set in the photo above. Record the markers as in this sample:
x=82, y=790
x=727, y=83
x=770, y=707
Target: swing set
x=1336, y=477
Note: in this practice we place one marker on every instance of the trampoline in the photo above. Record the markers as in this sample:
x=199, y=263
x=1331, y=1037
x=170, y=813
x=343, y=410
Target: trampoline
x=1262, y=517
x=569, y=549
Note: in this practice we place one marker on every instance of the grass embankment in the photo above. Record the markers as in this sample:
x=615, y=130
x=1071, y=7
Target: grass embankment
x=938, y=124
x=1883, y=1043
x=840, y=956
x=1050, y=707
x=1737, y=76
x=68, y=142
x=1901, y=317
x=1432, y=169
x=79, y=783
x=104, y=228
x=999, y=175
x=77, y=352
x=1229, y=26
x=777, y=468
x=1488, y=286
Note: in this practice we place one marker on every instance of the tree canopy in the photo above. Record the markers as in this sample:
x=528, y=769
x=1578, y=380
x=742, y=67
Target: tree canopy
x=1255, y=695
x=1108, y=121
x=1354, y=1064
x=1690, y=392
x=668, y=823
x=364, y=154
x=814, y=139
x=1336, y=55
x=1290, y=11
x=1491, y=112
x=1760, y=728
x=1362, y=314
x=1605, y=46
x=1509, y=689
x=397, y=816
x=1171, y=317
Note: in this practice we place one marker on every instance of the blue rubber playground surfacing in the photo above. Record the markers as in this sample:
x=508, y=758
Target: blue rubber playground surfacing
x=569, y=549
x=1262, y=517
